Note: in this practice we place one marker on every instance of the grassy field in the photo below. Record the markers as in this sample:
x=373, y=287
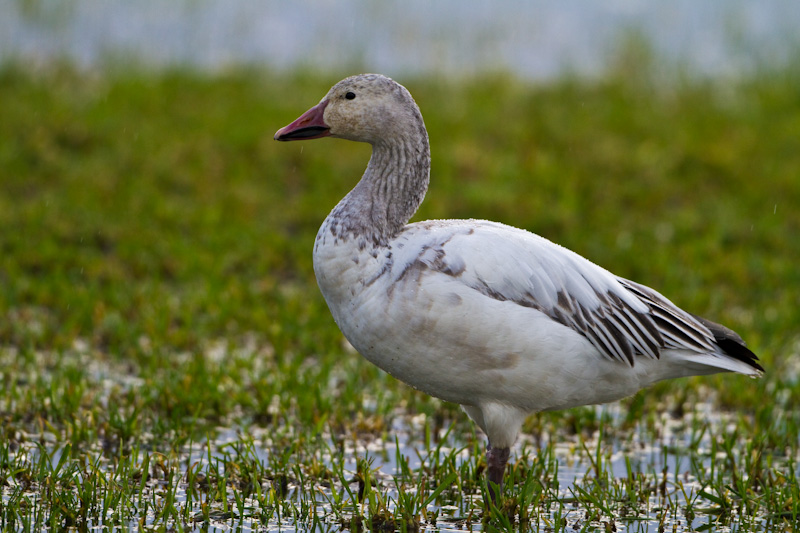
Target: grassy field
x=167, y=361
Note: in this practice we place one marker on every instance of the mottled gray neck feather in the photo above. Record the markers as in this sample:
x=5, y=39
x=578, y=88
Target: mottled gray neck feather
x=390, y=191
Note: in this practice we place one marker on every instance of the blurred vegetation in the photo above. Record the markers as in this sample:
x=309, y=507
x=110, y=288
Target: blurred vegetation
x=151, y=228
x=137, y=205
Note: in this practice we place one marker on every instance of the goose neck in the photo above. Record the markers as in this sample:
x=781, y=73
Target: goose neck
x=389, y=193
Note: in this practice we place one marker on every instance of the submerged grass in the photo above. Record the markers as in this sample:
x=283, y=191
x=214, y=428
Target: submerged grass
x=167, y=361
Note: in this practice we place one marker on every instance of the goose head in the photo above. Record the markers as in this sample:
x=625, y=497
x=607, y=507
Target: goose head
x=367, y=108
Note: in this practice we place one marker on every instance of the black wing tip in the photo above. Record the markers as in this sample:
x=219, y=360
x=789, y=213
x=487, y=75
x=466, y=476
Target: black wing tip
x=731, y=343
x=738, y=351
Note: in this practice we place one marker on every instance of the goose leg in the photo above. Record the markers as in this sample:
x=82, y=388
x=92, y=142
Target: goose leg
x=496, y=458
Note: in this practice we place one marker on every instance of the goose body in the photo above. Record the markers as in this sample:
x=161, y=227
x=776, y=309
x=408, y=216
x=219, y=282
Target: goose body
x=494, y=318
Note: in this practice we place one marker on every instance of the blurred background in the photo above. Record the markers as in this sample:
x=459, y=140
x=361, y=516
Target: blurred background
x=533, y=39
x=136, y=151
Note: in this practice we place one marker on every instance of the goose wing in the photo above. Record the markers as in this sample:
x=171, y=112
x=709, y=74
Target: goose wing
x=622, y=319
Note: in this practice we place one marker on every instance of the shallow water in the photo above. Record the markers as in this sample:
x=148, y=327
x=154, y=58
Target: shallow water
x=661, y=460
x=535, y=39
x=665, y=454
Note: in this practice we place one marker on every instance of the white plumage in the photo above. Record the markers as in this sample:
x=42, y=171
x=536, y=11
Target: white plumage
x=491, y=317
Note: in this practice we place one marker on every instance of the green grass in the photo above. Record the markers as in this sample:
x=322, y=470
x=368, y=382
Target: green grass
x=155, y=265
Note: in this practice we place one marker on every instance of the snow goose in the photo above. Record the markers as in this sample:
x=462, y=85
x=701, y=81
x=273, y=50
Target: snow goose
x=494, y=318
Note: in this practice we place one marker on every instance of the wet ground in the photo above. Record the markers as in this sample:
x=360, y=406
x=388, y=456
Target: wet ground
x=665, y=466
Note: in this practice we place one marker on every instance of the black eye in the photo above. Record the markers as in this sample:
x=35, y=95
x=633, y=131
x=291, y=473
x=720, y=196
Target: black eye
x=350, y=95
